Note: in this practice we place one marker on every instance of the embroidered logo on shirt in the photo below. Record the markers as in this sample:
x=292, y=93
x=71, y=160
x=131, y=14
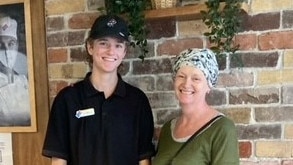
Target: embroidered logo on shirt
x=85, y=112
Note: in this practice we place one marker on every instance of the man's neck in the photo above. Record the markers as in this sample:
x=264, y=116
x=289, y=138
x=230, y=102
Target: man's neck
x=104, y=82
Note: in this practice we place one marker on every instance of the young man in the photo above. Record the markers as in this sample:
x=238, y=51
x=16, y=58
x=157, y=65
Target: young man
x=101, y=120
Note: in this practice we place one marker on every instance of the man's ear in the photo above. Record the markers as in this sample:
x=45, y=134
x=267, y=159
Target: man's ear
x=89, y=47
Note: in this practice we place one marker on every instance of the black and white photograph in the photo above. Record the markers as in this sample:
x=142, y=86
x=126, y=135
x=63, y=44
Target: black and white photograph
x=16, y=91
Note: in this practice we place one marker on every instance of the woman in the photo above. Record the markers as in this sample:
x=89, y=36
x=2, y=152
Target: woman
x=200, y=135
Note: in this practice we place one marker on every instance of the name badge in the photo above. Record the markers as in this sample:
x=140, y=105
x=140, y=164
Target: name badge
x=85, y=112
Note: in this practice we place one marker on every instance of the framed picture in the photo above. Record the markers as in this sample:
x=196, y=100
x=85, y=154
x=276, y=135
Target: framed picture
x=17, y=88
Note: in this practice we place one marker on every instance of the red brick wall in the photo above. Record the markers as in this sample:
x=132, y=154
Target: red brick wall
x=258, y=97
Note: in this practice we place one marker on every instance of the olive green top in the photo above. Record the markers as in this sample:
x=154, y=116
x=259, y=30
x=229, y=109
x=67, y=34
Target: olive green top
x=216, y=145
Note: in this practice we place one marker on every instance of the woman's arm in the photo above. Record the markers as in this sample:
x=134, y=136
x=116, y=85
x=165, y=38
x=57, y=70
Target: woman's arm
x=145, y=162
x=58, y=161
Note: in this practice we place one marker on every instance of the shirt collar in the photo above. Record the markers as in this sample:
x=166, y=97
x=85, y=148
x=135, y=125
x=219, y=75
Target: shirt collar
x=120, y=89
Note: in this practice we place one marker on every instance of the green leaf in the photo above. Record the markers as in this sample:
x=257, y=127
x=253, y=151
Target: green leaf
x=223, y=24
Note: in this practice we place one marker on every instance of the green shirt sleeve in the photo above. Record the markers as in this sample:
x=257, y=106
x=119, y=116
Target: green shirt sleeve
x=224, y=149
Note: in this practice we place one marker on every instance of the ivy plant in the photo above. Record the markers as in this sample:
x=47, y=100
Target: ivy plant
x=223, y=20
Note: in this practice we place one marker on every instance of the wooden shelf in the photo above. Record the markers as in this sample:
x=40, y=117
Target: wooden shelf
x=193, y=10
x=182, y=12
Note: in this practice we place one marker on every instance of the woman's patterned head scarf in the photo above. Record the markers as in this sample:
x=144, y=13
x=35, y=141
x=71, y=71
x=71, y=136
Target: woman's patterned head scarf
x=203, y=59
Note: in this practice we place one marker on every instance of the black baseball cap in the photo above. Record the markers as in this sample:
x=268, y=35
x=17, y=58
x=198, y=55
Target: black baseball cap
x=109, y=26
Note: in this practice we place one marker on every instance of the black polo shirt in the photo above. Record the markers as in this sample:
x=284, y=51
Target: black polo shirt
x=118, y=133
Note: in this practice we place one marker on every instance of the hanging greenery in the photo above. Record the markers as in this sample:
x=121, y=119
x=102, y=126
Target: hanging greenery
x=223, y=20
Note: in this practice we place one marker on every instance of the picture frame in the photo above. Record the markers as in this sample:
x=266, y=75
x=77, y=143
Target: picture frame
x=17, y=97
